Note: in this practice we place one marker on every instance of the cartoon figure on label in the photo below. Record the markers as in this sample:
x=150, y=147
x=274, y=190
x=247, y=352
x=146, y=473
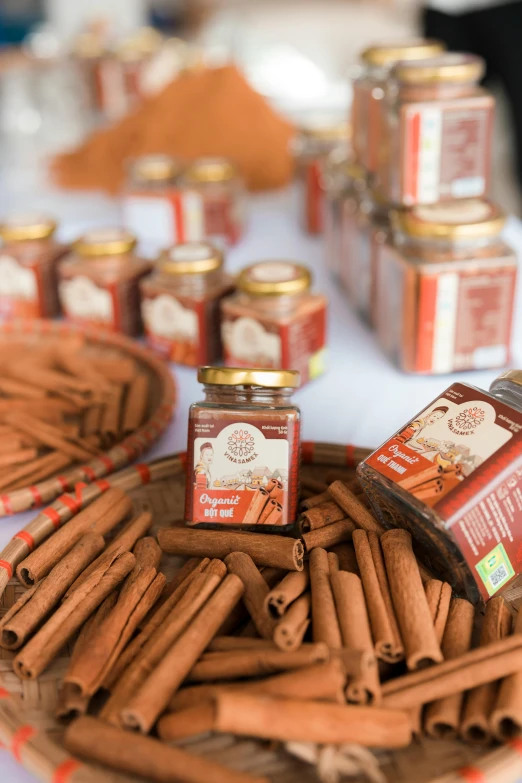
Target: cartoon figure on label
x=202, y=474
x=410, y=436
x=447, y=453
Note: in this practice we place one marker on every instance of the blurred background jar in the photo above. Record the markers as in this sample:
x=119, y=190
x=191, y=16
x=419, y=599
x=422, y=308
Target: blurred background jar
x=436, y=143
x=180, y=303
x=369, y=90
x=314, y=143
x=274, y=321
x=152, y=203
x=216, y=198
x=445, y=288
x=29, y=257
x=99, y=281
x=345, y=183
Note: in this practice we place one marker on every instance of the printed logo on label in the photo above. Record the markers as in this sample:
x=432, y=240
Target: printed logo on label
x=240, y=445
x=468, y=419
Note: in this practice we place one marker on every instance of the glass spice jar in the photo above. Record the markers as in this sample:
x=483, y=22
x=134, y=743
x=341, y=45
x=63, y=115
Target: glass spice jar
x=29, y=257
x=180, y=303
x=445, y=287
x=313, y=145
x=344, y=181
x=453, y=477
x=99, y=281
x=217, y=200
x=369, y=91
x=436, y=143
x=243, y=450
x=367, y=227
x=153, y=206
x=274, y=321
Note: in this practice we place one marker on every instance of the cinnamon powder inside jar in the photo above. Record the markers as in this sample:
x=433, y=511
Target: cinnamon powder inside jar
x=180, y=303
x=274, y=321
x=243, y=450
x=29, y=258
x=99, y=281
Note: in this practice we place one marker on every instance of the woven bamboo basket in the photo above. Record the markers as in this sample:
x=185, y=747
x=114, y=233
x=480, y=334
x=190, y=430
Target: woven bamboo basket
x=162, y=398
x=30, y=730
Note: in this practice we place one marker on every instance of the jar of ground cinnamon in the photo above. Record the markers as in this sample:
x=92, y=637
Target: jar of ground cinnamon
x=274, y=321
x=314, y=143
x=366, y=227
x=153, y=206
x=217, y=199
x=243, y=450
x=437, y=135
x=99, y=281
x=453, y=477
x=29, y=257
x=344, y=182
x=445, y=288
x=180, y=303
x=369, y=90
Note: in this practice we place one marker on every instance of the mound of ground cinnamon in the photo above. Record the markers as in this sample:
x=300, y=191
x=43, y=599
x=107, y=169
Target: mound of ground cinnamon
x=211, y=112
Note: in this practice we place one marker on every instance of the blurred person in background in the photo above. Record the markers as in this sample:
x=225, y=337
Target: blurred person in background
x=491, y=29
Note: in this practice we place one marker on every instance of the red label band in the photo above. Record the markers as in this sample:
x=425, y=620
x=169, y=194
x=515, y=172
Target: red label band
x=350, y=456
x=62, y=481
x=472, y=775
x=35, y=492
x=89, y=472
x=26, y=537
x=103, y=485
x=64, y=772
x=71, y=503
x=6, y=501
x=144, y=472
x=4, y=694
x=516, y=745
x=53, y=515
x=107, y=463
x=7, y=567
x=19, y=739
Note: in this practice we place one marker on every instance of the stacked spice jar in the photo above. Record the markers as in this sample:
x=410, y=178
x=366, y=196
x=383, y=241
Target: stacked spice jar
x=410, y=231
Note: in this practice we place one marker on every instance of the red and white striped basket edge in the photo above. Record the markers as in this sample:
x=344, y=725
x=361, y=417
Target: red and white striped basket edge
x=118, y=456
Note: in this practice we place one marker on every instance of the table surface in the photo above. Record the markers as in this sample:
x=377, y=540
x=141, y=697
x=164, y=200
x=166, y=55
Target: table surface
x=362, y=399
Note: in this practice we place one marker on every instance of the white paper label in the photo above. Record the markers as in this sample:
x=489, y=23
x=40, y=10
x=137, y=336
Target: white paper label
x=248, y=341
x=81, y=298
x=16, y=281
x=165, y=317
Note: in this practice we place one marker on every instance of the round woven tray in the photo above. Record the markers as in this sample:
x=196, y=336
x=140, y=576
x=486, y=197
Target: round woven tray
x=30, y=730
x=162, y=398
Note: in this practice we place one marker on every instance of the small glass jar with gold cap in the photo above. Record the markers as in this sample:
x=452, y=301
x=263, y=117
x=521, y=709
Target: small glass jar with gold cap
x=99, y=281
x=180, y=303
x=345, y=183
x=315, y=142
x=438, y=122
x=274, y=320
x=216, y=200
x=152, y=204
x=445, y=288
x=29, y=257
x=369, y=90
x=243, y=450
x=452, y=476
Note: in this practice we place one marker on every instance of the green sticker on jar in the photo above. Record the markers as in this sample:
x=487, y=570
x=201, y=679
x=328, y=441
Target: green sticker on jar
x=495, y=569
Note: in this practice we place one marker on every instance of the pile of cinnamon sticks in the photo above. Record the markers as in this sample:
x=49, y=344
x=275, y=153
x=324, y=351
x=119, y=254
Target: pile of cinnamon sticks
x=336, y=637
x=62, y=402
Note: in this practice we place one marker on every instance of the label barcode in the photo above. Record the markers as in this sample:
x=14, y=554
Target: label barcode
x=499, y=575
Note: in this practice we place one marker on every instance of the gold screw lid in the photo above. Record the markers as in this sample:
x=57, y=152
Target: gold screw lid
x=155, y=168
x=20, y=228
x=467, y=218
x=245, y=376
x=326, y=129
x=273, y=278
x=105, y=242
x=388, y=54
x=448, y=67
x=515, y=376
x=190, y=258
x=211, y=170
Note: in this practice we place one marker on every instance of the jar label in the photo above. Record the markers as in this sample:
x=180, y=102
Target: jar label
x=462, y=456
x=175, y=330
x=19, y=290
x=242, y=472
x=85, y=302
x=446, y=150
x=165, y=220
x=444, y=317
x=299, y=344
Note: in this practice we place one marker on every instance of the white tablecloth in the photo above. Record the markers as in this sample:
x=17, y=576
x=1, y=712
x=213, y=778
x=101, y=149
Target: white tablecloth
x=362, y=398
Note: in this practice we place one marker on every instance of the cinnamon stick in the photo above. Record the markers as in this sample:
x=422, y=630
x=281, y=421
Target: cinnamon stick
x=506, y=717
x=226, y=643
x=291, y=628
x=136, y=403
x=147, y=552
x=325, y=537
x=17, y=457
x=286, y=720
x=347, y=557
x=438, y=596
x=38, y=653
x=321, y=515
x=325, y=625
x=152, y=760
x=37, y=470
x=256, y=591
x=353, y=508
x=34, y=606
x=475, y=724
x=383, y=622
x=155, y=693
x=409, y=600
x=355, y=633
x=255, y=662
x=282, y=595
x=442, y=717
x=188, y=722
x=316, y=500
x=265, y=550
x=49, y=435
